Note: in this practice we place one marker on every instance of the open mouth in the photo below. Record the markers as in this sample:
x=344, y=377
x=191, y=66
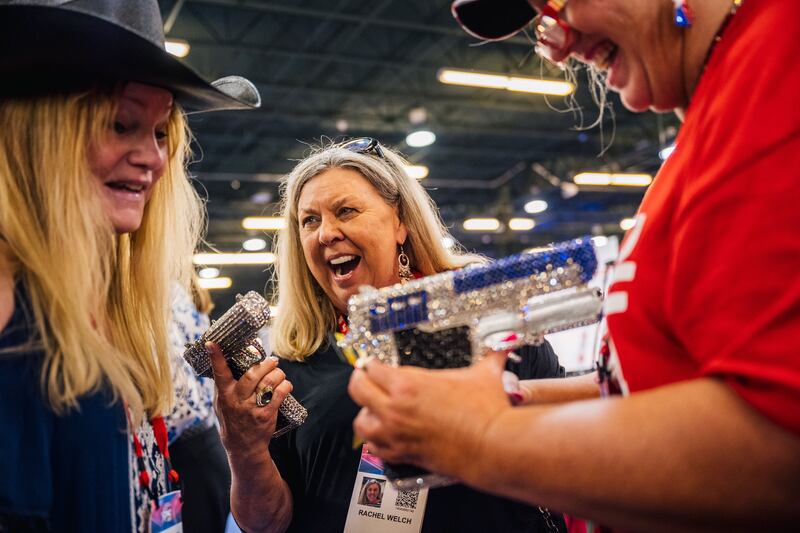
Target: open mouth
x=603, y=57
x=125, y=186
x=343, y=265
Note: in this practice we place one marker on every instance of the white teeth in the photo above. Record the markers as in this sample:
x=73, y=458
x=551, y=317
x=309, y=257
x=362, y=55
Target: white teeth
x=342, y=259
x=133, y=187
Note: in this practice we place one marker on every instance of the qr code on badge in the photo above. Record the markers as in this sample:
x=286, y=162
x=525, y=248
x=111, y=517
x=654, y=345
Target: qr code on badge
x=407, y=500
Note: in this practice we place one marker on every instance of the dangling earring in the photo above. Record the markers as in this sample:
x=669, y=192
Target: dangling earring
x=684, y=16
x=404, y=269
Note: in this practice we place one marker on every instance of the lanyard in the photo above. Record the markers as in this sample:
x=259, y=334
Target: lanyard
x=160, y=432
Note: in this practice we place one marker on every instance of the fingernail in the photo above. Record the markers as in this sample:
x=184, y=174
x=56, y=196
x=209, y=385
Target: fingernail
x=272, y=358
x=515, y=397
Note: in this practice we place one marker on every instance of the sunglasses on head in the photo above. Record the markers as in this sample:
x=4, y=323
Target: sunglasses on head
x=495, y=20
x=364, y=145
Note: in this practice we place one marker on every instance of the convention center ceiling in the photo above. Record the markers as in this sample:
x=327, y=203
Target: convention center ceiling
x=334, y=69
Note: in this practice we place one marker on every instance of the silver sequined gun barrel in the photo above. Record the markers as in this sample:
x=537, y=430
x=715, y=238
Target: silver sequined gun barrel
x=445, y=320
x=236, y=333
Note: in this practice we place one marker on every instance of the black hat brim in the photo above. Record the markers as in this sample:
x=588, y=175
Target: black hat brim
x=45, y=49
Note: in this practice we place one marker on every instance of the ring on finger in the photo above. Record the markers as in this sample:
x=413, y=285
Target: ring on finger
x=264, y=396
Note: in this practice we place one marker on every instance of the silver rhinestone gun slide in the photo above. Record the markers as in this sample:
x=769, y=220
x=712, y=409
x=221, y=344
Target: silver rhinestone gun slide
x=236, y=333
x=451, y=319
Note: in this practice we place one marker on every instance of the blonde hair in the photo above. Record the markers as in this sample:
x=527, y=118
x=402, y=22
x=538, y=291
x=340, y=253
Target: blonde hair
x=100, y=300
x=306, y=315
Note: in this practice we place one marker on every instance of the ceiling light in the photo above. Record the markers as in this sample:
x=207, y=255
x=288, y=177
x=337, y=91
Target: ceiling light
x=521, y=224
x=177, y=47
x=535, y=206
x=666, y=152
x=627, y=223
x=539, y=86
x=501, y=81
x=417, y=172
x=613, y=179
x=215, y=283
x=261, y=197
x=264, y=223
x=481, y=224
x=420, y=138
x=254, y=245
x=472, y=79
x=208, y=273
x=264, y=258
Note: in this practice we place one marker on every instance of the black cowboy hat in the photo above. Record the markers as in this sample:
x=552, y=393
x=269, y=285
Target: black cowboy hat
x=50, y=46
x=492, y=20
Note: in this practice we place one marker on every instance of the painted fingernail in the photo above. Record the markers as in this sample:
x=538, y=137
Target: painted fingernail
x=515, y=397
x=362, y=362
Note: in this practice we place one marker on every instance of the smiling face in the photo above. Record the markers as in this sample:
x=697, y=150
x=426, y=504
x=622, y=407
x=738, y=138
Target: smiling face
x=349, y=234
x=373, y=493
x=129, y=161
x=636, y=43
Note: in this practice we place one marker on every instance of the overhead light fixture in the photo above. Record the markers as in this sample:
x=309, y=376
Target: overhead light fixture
x=215, y=283
x=261, y=197
x=208, y=273
x=263, y=258
x=627, y=223
x=416, y=172
x=613, y=179
x=521, y=224
x=481, y=224
x=254, y=245
x=535, y=206
x=666, y=152
x=487, y=80
x=177, y=47
x=420, y=138
x=264, y=223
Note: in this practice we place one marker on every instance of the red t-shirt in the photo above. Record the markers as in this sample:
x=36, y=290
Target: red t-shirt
x=708, y=282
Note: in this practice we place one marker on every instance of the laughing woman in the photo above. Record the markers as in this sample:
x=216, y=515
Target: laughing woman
x=97, y=218
x=704, y=313
x=353, y=218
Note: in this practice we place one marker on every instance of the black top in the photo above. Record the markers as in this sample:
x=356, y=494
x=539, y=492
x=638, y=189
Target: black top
x=319, y=464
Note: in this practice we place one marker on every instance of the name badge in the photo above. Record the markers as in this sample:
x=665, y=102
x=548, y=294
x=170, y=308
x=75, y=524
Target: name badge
x=376, y=506
x=166, y=516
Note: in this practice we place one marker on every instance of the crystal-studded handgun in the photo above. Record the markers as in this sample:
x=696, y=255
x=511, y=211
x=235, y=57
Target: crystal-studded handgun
x=236, y=333
x=448, y=320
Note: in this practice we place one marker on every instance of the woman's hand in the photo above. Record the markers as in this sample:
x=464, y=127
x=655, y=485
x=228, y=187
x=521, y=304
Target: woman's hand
x=245, y=427
x=431, y=418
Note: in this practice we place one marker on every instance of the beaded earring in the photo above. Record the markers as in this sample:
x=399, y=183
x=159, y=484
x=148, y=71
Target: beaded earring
x=404, y=266
x=684, y=16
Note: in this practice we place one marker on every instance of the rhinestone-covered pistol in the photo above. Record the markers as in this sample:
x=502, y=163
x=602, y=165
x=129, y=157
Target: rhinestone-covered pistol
x=236, y=333
x=451, y=319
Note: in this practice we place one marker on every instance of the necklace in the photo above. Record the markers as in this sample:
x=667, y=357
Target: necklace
x=718, y=36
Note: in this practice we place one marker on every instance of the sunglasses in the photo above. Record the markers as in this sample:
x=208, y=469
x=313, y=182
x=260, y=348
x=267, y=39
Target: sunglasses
x=364, y=145
x=495, y=20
